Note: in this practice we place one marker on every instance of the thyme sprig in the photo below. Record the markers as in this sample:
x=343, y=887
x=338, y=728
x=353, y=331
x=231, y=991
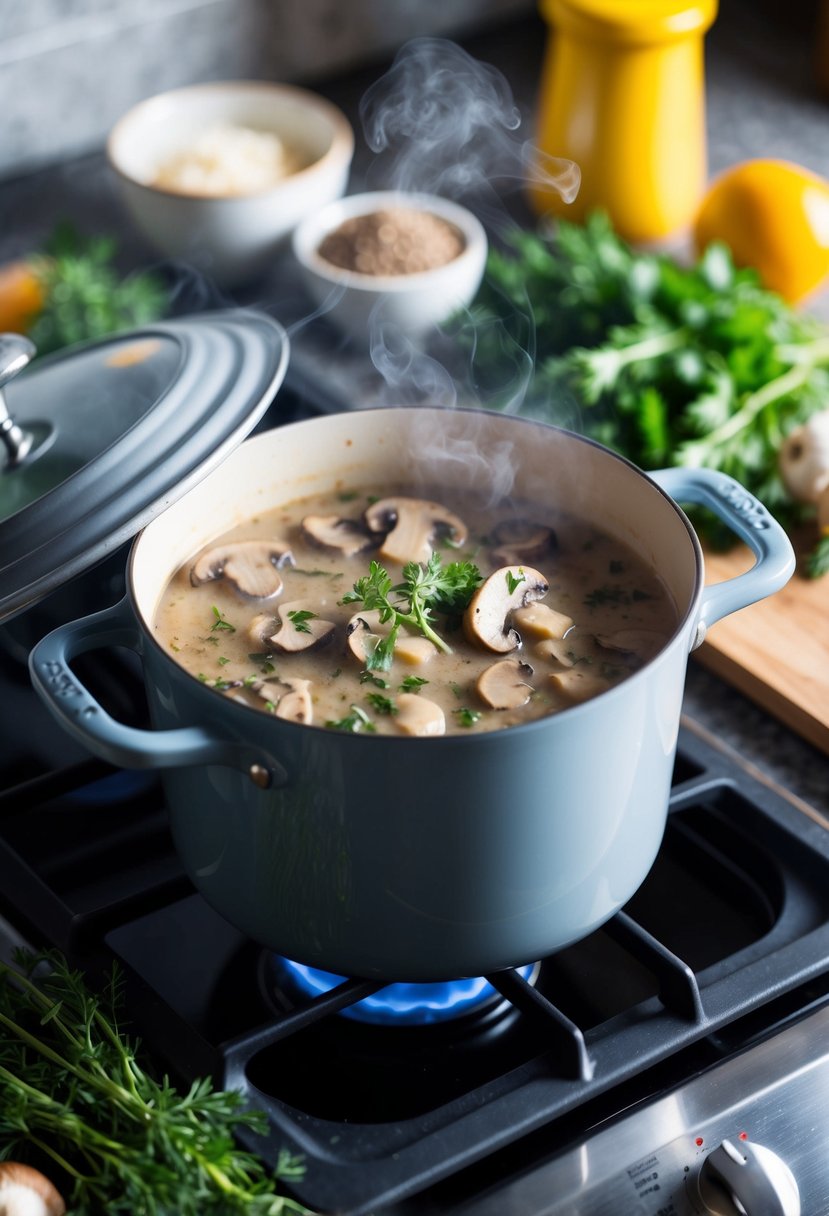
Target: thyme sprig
x=76, y=1100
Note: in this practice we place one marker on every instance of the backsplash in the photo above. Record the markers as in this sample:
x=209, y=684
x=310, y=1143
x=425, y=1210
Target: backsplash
x=70, y=68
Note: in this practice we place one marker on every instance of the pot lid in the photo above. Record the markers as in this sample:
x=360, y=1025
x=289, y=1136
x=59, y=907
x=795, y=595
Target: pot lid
x=99, y=439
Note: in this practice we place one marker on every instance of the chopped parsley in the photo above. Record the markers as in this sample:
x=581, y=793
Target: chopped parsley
x=358, y=720
x=300, y=618
x=368, y=677
x=513, y=581
x=383, y=705
x=466, y=716
x=220, y=623
x=412, y=683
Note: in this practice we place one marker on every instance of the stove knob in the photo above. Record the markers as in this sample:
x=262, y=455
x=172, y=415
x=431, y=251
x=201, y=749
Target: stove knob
x=748, y=1179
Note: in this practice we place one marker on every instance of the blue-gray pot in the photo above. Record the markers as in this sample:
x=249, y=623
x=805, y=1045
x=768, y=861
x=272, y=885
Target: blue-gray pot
x=417, y=858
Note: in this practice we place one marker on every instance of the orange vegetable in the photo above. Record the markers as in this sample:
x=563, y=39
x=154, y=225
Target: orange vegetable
x=21, y=296
x=774, y=216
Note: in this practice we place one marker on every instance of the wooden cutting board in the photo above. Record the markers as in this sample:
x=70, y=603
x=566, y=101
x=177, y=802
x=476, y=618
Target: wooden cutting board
x=776, y=652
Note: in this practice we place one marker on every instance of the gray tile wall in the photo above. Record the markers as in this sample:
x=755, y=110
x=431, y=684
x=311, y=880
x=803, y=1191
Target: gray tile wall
x=70, y=68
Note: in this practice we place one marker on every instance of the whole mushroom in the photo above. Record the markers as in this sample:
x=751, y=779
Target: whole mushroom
x=24, y=1191
x=804, y=459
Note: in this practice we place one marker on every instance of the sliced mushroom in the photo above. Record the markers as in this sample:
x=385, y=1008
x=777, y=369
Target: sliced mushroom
x=521, y=540
x=362, y=634
x=417, y=716
x=504, y=685
x=295, y=704
x=412, y=524
x=542, y=621
x=344, y=536
x=250, y=565
x=414, y=651
x=296, y=631
x=488, y=618
x=578, y=685
x=558, y=650
x=643, y=643
x=26, y=1191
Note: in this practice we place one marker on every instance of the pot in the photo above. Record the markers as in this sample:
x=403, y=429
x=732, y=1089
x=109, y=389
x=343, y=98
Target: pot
x=414, y=859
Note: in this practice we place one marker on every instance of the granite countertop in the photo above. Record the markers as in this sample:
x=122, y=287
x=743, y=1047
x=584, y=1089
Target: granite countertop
x=761, y=101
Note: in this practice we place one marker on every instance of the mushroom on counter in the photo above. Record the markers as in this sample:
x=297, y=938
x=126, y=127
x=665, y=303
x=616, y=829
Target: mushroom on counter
x=298, y=628
x=338, y=535
x=488, y=618
x=250, y=565
x=24, y=1191
x=412, y=524
x=417, y=716
x=504, y=685
x=521, y=540
x=804, y=459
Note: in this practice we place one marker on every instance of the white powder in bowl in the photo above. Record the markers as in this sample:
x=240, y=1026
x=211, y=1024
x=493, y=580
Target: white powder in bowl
x=226, y=160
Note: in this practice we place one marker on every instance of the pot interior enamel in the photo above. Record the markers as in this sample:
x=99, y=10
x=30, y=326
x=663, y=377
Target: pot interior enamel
x=426, y=859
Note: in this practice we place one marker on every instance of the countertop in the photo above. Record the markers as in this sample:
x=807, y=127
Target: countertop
x=762, y=100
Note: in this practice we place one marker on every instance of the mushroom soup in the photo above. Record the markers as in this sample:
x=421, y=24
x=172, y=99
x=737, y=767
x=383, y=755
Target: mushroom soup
x=386, y=613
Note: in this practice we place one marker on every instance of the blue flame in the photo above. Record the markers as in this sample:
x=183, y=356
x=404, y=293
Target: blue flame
x=400, y=1004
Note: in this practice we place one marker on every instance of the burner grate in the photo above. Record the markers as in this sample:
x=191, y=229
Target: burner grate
x=403, y=1110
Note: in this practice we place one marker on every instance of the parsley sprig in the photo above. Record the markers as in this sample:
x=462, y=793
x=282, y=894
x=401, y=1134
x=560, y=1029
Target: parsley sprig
x=426, y=589
x=73, y=1091
x=668, y=364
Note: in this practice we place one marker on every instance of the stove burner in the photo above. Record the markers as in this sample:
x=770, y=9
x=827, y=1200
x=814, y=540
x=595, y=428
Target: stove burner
x=400, y=1004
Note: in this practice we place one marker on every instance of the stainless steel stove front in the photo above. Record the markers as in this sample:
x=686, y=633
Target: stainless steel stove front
x=770, y=1103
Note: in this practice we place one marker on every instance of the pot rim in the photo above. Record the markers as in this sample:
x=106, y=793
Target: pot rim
x=454, y=738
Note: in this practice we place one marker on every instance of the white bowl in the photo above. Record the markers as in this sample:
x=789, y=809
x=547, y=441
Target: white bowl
x=412, y=303
x=229, y=236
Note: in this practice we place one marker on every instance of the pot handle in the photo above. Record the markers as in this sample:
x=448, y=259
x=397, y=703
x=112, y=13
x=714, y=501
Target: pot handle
x=86, y=720
x=751, y=522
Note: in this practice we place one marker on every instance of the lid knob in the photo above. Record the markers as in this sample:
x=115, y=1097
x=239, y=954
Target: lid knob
x=15, y=352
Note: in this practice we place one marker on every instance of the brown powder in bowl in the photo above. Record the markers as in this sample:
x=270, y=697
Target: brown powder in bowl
x=391, y=242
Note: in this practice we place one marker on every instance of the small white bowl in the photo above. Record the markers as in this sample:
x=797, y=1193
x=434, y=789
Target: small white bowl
x=413, y=303
x=229, y=236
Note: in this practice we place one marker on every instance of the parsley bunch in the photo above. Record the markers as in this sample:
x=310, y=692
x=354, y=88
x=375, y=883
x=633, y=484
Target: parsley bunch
x=85, y=297
x=74, y=1095
x=667, y=364
x=425, y=590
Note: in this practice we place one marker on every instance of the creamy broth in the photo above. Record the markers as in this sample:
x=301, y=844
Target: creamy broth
x=601, y=617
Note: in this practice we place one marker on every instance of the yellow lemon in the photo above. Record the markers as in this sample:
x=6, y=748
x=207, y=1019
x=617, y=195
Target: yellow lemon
x=774, y=216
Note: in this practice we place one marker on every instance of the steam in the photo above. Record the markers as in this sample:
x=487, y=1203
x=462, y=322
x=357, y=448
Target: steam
x=444, y=123
x=441, y=122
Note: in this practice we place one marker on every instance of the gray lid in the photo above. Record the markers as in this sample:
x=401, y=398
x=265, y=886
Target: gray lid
x=119, y=430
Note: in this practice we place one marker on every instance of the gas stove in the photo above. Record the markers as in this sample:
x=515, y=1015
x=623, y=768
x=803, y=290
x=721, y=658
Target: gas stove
x=675, y=1057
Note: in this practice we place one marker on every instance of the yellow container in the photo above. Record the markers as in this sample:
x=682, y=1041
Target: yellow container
x=623, y=95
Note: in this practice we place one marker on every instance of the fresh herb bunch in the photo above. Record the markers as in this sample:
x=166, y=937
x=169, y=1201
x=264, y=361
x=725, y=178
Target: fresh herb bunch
x=74, y=1096
x=425, y=590
x=667, y=364
x=85, y=297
